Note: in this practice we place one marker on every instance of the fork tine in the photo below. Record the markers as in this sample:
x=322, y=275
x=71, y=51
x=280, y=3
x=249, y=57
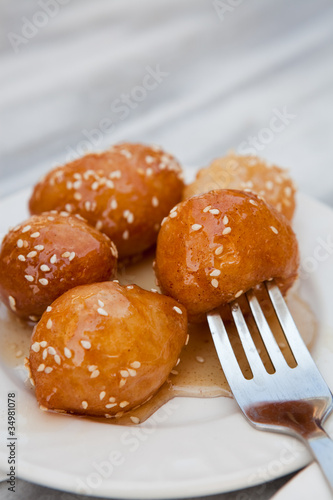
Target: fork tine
x=224, y=350
x=287, y=323
x=249, y=346
x=266, y=334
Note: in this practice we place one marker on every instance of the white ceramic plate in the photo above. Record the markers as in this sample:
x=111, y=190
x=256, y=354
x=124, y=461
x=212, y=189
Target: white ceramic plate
x=307, y=485
x=190, y=447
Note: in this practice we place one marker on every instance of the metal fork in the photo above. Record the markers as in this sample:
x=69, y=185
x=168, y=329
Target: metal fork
x=293, y=401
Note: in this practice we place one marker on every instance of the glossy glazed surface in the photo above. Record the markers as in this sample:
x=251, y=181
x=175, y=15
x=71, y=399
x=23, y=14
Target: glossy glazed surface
x=124, y=192
x=248, y=173
x=103, y=349
x=48, y=254
x=213, y=247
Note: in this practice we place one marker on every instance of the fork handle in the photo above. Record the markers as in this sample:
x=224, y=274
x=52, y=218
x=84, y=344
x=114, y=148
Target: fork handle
x=322, y=448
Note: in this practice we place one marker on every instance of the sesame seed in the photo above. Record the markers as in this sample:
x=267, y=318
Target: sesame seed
x=149, y=172
x=125, y=235
x=110, y=405
x=26, y=229
x=219, y=250
x=135, y=420
x=57, y=359
x=43, y=281
x=200, y=359
x=196, y=227
x=87, y=205
x=50, y=218
x=65, y=214
x=95, y=185
x=238, y=294
x=32, y=254
x=100, y=303
x=187, y=339
x=51, y=350
x=35, y=347
x=49, y=324
x=71, y=256
x=19, y=243
x=12, y=303
x=227, y=230
x=39, y=247
x=65, y=255
x=132, y=372
x=67, y=353
x=225, y=220
x=173, y=215
x=94, y=374
x=254, y=203
x=84, y=405
x=69, y=185
x=215, y=283
x=76, y=185
x=126, y=153
x=85, y=344
x=99, y=225
x=49, y=309
x=33, y=318
x=114, y=204
x=124, y=373
x=21, y=258
x=206, y=209
x=116, y=174
x=154, y=201
x=112, y=399
x=28, y=277
x=35, y=235
x=43, y=408
x=41, y=368
x=48, y=369
x=178, y=361
x=215, y=272
x=269, y=185
x=174, y=372
x=77, y=196
x=45, y=268
x=130, y=287
x=43, y=343
x=153, y=290
x=177, y=309
x=53, y=259
x=214, y=211
x=135, y=364
x=122, y=382
x=123, y=404
x=92, y=368
x=102, y=395
x=288, y=191
x=274, y=229
x=149, y=159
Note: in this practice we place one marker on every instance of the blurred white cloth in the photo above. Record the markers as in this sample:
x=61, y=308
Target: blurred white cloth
x=228, y=68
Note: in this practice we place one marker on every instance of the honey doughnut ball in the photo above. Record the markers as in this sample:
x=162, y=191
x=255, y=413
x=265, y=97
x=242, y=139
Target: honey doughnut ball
x=104, y=349
x=48, y=254
x=124, y=192
x=213, y=247
x=247, y=173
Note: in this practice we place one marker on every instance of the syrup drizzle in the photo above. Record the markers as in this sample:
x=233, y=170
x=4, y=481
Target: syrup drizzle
x=198, y=374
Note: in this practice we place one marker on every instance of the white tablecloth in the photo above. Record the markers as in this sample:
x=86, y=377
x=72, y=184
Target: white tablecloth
x=198, y=77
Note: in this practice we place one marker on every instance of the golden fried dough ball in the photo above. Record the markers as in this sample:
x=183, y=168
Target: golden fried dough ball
x=48, y=254
x=124, y=192
x=103, y=349
x=247, y=173
x=213, y=247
